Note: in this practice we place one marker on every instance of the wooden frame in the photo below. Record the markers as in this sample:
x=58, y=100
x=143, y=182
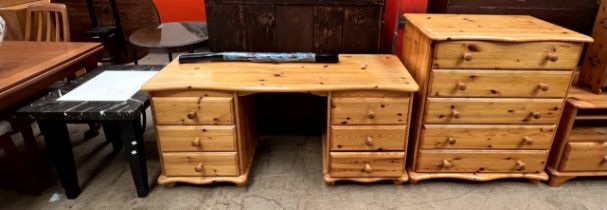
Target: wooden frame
x=46, y=14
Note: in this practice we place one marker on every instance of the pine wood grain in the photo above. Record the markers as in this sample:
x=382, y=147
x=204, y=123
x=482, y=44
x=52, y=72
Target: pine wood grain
x=487, y=136
x=359, y=111
x=196, y=138
x=594, y=66
x=499, y=55
x=205, y=111
x=499, y=83
x=585, y=156
x=354, y=72
x=481, y=160
x=209, y=163
x=483, y=110
x=507, y=28
x=364, y=138
x=367, y=164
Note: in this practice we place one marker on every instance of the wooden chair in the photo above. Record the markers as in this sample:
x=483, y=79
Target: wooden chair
x=49, y=19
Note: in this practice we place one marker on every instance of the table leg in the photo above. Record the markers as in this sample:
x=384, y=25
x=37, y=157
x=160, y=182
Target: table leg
x=112, y=134
x=132, y=137
x=135, y=57
x=58, y=142
x=170, y=56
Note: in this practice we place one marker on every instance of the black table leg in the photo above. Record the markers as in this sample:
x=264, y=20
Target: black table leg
x=132, y=137
x=58, y=142
x=112, y=134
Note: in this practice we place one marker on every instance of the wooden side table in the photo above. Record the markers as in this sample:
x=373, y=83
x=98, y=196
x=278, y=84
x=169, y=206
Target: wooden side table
x=121, y=121
x=580, y=144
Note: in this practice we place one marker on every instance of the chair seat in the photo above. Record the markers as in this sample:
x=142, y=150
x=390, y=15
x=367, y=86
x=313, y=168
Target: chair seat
x=102, y=32
x=5, y=127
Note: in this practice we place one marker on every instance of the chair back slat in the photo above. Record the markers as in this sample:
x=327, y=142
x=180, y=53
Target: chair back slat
x=51, y=23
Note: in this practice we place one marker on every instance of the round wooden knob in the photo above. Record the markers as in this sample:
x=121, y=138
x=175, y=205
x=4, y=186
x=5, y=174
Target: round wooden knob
x=467, y=56
x=447, y=164
x=605, y=159
x=520, y=165
x=198, y=167
x=451, y=140
x=461, y=86
x=369, y=141
x=196, y=142
x=191, y=115
x=535, y=115
x=543, y=86
x=371, y=114
x=552, y=57
x=368, y=168
x=527, y=140
x=455, y=114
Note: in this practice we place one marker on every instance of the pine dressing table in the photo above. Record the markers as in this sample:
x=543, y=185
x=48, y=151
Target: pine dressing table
x=204, y=116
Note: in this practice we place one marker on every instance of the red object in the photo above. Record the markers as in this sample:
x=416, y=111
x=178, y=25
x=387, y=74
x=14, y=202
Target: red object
x=181, y=10
x=394, y=9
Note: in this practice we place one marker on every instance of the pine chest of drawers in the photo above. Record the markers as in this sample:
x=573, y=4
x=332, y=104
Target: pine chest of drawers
x=491, y=96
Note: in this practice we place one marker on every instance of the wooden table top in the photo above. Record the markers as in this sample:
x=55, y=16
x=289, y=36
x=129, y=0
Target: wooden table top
x=510, y=28
x=586, y=99
x=25, y=63
x=353, y=72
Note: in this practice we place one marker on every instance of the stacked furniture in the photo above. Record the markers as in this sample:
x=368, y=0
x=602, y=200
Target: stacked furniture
x=580, y=145
x=492, y=92
x=205, y=116
x=368, y=131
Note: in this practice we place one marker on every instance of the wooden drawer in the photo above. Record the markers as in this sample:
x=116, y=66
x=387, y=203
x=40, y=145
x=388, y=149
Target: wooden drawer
x=487, y=136
x=499, y=83
x=588, y=134
x=490, y=110
x=504, y=55
x=585, y=156
x=357, y=111
x=383, y=137
x=200, y=163
x=481, y=160
x=196, y=138
x=193, y=110
x=367, y=164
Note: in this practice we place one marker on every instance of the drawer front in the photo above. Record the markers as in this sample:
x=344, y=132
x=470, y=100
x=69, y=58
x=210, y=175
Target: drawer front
x=490, y=110
x=504, y=55
x=588, y=133
x=585, y=156
x=481, y=161
x=360, y=111
x=200, y=164
x=193, y=110
x=487, y=136
x=499, y=83
x=196, y=138
x=367, y=164
x=344, y=138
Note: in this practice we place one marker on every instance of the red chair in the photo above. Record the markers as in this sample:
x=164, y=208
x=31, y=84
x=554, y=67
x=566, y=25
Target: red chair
x=180, y=10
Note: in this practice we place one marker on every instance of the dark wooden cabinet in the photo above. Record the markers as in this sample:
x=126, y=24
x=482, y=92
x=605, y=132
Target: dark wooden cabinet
x=324, y=26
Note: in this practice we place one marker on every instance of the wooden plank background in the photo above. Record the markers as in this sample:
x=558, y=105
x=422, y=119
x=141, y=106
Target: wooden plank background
x=335, y=26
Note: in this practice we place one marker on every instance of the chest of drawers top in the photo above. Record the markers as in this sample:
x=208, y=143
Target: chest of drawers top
x=504, y=28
